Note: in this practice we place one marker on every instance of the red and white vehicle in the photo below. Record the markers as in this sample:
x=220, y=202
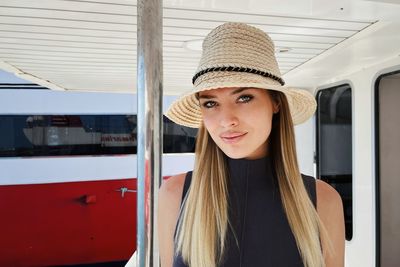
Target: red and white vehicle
x=68, y=176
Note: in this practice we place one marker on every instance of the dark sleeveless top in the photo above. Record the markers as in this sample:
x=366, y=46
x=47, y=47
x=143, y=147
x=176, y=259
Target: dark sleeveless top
x=264, y=237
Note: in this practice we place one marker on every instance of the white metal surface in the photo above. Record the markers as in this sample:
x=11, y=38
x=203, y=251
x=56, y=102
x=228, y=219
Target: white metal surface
x=36, y=170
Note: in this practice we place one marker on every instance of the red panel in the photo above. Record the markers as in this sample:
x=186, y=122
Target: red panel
x=67, y=223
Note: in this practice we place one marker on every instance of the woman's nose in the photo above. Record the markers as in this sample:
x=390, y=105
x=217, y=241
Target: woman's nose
x=228, y=118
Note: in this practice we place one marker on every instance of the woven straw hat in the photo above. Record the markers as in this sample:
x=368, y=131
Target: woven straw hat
x=238, y=55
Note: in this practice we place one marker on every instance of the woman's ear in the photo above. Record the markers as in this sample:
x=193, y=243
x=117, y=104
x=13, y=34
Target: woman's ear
x=275, y=101
x=276, y=107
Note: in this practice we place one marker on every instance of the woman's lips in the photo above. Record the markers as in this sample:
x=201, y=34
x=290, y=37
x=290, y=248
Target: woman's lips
x=232, y=138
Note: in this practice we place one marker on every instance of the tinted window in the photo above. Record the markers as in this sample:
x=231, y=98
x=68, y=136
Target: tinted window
x=61, y=135
x=177, y=138
x=334, y=145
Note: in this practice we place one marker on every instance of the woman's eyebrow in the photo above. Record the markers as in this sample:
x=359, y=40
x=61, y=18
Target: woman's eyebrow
x=239, y=90
x=206, y=96
x=236, y=91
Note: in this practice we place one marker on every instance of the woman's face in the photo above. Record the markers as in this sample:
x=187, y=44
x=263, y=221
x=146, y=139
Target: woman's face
x=239, y=120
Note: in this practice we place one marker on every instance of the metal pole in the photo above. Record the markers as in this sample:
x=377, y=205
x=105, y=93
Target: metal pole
x=149, y=87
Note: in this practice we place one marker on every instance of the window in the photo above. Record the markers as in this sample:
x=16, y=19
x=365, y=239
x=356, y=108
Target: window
x=63, y=135
x=334, y=145
x=387, y=153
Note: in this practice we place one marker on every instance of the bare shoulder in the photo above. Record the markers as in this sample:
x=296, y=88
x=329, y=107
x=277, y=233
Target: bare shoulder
x=327, y=196
x=330, y=211
x=172, y=187
x=170, y=195
x=329, y=203
x=169, y=202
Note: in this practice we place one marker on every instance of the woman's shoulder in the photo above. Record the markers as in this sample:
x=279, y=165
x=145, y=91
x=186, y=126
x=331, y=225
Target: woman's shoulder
x=330, y=211
x=169, y=201
x=327, y=196
x=172, y=187
x=169, y=198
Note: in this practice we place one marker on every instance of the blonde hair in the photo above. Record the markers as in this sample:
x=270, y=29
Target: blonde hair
x=204, y=218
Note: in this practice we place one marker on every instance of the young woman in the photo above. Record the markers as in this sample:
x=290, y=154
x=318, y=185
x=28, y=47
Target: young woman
x=246, y=203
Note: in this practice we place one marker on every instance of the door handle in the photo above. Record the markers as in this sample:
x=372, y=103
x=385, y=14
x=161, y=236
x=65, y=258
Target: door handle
x=124, y=190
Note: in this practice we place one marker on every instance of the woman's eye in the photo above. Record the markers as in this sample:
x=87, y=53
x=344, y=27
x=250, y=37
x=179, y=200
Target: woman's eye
x=209, y=104
x=245, y=98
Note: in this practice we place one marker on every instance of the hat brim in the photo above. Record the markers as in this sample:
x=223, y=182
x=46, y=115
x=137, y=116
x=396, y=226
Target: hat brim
x=186, y=109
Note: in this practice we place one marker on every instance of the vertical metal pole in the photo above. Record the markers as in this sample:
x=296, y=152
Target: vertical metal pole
x=149, y=87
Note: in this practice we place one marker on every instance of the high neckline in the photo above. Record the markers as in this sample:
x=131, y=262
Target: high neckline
x=259, y=163
x=257, y=170
x=248, y=161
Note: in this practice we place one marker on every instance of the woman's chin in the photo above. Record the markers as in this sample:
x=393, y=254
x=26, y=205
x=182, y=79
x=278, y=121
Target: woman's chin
x=236, y=154
x=244, y=153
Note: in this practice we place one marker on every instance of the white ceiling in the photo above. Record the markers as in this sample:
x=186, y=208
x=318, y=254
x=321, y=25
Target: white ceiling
x=90, y=45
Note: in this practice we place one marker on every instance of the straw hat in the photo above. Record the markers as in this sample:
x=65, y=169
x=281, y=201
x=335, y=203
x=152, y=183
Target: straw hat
x=238, y=55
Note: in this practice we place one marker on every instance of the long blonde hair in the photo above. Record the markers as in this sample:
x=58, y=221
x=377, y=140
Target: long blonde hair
x=204, y=215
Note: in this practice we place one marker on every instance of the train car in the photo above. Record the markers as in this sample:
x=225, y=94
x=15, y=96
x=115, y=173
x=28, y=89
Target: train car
x=65, y=190
x=68, y=175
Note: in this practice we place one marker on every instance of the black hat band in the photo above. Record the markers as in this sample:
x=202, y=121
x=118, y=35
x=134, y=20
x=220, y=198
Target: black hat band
x=239, y=69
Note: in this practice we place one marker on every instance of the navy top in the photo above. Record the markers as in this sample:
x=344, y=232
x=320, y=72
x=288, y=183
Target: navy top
x=257, y=216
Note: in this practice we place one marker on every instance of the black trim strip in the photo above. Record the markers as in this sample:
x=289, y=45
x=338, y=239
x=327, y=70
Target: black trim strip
x=239, y=69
